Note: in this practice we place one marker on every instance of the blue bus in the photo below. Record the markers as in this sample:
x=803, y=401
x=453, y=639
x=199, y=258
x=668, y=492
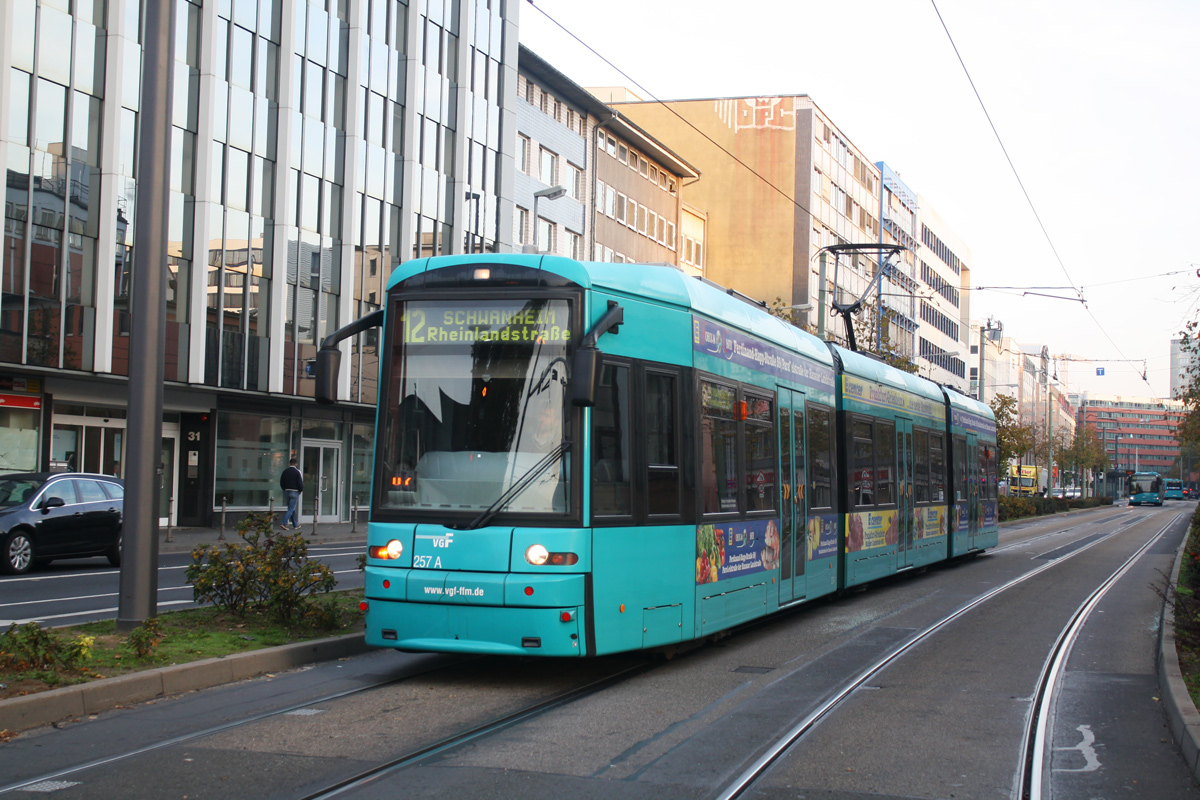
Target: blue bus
x=1172, y=489
x=1146, y=488
x=575, y=459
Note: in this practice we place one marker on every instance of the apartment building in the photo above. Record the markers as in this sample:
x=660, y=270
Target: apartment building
x=944, y=305
x=592, y=185
x=1138, y=432
x=315, y=144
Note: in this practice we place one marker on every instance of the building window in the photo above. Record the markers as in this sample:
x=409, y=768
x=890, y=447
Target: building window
x=522, y=225
x=546, y=240
x=549, y=167
x=523, y=147
x=574, y=181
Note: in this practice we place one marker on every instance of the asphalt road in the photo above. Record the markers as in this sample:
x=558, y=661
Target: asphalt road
x=75, y=591
x=944, y=719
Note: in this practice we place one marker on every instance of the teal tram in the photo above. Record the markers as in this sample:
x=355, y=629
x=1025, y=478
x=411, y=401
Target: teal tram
x=1146, y=488
x=1173, y=489
x=575, y=459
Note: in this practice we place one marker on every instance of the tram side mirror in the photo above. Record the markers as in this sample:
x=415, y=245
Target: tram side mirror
x=584, y=376
x=329, y=365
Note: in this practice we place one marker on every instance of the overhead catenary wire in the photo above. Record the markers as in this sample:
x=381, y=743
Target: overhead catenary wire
x=1021, y=184
x=654, y=98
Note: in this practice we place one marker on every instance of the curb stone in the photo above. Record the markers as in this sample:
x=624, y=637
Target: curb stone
x=1182, y=717
x=44, y=708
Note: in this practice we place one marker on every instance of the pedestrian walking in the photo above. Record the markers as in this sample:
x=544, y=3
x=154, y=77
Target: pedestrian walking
x=292, y=483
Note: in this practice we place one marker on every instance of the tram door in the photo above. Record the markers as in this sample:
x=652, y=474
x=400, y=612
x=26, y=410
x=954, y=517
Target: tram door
x=974, y=482
x=905, y=499
x=793, y=506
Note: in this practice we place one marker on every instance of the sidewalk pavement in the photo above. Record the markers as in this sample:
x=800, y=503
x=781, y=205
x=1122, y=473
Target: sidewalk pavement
x=184, y=540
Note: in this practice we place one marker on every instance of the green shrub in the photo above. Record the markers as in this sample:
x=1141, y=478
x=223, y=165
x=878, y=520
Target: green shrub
x=30, y=646
x=1016, y=507
x=144, y=638
x=269, y=572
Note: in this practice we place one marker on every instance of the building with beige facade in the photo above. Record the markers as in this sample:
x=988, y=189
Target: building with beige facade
x=779, y=182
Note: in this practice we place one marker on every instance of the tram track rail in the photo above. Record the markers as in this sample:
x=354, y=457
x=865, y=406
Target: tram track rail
x=531, y=712
x=413, y=757
x=213, y=730
x=779, y=749
x=1036, y=753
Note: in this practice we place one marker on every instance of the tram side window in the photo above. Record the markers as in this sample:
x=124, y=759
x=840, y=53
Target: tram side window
x=862, y=487
x=760, y=454
x=820, y=457
x=611, y=490
x=992, y=489
x=961, y=476
x=662, y=445
x=937, y=469
x=885, y=461
x=920, y=466
x=718, y=445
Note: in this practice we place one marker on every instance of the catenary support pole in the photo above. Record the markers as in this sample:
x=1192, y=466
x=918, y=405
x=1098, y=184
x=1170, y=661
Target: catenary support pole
x=138, y=600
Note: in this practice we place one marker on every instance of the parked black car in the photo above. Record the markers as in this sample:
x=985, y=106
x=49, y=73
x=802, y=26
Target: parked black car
x=49, y=515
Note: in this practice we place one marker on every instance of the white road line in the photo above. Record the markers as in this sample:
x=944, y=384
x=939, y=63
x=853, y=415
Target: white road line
x=84, y=597
x=4, y=623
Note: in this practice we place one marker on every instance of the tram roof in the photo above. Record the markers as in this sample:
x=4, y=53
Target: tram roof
x=863, y=366
x=666, y=283
x=662, y=283
x=969, y=404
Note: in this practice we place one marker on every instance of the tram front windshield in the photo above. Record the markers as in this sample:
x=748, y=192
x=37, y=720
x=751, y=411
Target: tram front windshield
x=1144, y=484
x=475, y=407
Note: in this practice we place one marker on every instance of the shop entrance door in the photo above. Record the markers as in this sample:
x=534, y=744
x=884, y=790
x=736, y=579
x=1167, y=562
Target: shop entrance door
x=168, y=479
x=321, y=465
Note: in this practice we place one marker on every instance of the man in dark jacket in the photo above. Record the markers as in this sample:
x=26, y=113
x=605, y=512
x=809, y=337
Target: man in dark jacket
x=292, y=483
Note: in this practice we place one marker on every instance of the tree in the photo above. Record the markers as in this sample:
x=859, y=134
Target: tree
x=1188, y=430
x=1013, y=439
x=1081, y=453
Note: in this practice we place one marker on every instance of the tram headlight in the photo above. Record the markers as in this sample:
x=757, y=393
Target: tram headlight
x=390, y=551
x=537, y=555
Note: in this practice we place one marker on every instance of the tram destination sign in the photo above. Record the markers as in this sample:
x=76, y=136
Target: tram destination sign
x=518, y=322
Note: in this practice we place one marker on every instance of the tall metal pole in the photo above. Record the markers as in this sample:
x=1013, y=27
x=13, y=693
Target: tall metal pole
x=1049, y=437
x=138, y=600
x=979, y=393
x=821, y=299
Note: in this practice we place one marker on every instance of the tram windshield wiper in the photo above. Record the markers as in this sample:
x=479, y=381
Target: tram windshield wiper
x=518, y=486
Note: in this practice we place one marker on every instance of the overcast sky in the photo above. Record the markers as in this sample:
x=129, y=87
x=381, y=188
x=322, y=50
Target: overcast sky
x=1096, y=104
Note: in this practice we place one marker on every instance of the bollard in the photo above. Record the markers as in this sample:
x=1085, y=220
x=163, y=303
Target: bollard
x=221, y=535
x=170, y=509
x=271, y=509
x=353, y=513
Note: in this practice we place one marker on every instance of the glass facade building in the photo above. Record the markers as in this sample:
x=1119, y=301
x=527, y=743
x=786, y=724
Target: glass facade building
x=315, y=144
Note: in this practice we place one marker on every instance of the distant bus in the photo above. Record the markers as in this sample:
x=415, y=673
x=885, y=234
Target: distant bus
x=1025, y=480
x=1172, y=488
x=1147, y=488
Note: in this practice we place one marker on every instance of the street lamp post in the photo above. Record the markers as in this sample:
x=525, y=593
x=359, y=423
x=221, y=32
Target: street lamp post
x=552, y=193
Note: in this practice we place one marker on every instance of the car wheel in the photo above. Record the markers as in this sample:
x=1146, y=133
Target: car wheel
x=17, y=553
x=114, y=552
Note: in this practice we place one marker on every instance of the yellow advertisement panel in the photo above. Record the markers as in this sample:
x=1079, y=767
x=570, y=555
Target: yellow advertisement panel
x=868, y=529
x=873, y=394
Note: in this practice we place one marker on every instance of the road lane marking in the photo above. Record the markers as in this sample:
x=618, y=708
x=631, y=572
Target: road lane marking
x=4, y=623
x=1085, y=749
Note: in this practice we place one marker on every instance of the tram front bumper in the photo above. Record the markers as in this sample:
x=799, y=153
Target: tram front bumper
x=460, y=612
